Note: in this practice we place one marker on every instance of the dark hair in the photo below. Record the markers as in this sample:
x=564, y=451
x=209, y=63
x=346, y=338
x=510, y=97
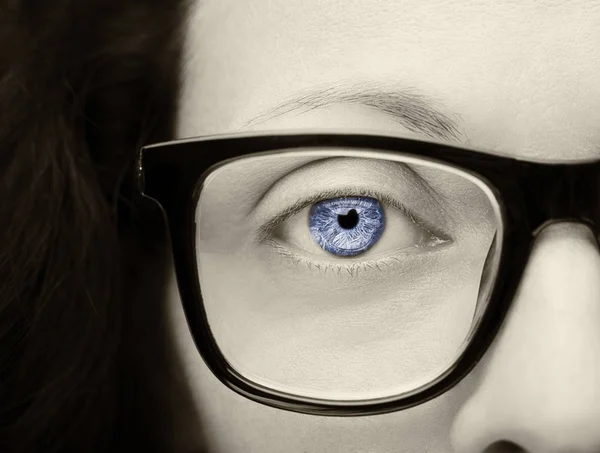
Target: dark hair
x=82, y=85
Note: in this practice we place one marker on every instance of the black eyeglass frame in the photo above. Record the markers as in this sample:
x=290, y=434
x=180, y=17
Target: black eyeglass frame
x=530, y=195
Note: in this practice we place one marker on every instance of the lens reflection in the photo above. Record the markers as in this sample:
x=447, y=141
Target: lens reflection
x=343, y=274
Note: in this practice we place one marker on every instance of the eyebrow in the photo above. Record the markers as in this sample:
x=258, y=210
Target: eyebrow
x=408, y=106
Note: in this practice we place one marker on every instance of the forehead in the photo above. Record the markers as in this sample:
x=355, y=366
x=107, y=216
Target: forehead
x=521, y=77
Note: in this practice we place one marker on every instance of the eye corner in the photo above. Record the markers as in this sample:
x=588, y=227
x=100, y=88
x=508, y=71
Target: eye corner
x=440, y=241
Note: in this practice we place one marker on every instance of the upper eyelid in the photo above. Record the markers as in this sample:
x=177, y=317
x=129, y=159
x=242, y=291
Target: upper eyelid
x=302, y=203
x=388, y=200
x=320, y=168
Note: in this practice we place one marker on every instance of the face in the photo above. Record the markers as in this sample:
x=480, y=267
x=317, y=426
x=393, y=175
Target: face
x=516, y=78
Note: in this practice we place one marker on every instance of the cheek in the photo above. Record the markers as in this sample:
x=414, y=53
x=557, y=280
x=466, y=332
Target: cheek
x=231, y=423
x=317, y=336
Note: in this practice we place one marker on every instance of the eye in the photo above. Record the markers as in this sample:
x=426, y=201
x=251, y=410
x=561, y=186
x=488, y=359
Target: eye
x=353, y=226
x=346, y=226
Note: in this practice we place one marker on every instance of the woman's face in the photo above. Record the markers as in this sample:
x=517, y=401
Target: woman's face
x=517, y=77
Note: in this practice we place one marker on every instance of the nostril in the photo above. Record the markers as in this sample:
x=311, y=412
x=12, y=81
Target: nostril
x=504, y=446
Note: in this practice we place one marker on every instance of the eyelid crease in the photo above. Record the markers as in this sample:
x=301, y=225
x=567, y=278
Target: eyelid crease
x=434, y=194
x=267, y=228
x=403, y=167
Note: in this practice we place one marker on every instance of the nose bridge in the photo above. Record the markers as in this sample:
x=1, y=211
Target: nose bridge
x=539, y=382
x=557, y=306
x=581, y=222
x=560, y=192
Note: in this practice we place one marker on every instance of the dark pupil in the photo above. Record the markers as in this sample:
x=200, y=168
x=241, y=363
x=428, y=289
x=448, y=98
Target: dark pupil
x=348, y=221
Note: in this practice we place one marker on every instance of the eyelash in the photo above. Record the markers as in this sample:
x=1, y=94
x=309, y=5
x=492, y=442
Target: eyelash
x=264, y=232
x=352, y=269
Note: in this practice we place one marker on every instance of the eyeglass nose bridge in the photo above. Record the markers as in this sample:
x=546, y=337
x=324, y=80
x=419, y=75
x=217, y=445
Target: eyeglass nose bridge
x=559, y=193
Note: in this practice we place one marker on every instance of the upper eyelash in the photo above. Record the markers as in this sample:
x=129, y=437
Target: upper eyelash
x=265, y=230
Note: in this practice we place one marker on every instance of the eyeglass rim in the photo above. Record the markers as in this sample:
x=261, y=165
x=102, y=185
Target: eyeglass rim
x=171, y=175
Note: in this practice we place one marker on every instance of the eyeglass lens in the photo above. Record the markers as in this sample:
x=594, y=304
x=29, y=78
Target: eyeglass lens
x=344, y=274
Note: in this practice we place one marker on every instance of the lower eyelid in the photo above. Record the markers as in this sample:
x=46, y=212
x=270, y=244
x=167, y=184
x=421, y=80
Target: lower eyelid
x=336, y=268
x=352, y=268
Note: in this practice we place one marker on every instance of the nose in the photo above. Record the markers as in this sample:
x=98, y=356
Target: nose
x=538, y=388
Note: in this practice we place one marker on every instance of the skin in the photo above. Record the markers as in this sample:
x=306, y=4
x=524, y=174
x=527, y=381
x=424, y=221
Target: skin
x=518, y=78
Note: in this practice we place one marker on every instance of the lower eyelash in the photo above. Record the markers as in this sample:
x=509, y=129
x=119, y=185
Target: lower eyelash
x=352, y=270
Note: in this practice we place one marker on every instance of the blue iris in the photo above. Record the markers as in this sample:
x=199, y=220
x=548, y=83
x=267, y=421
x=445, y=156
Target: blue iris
x=346, y=226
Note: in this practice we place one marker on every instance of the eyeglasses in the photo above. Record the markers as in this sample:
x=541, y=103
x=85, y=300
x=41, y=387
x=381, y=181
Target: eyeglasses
x=348, y=273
